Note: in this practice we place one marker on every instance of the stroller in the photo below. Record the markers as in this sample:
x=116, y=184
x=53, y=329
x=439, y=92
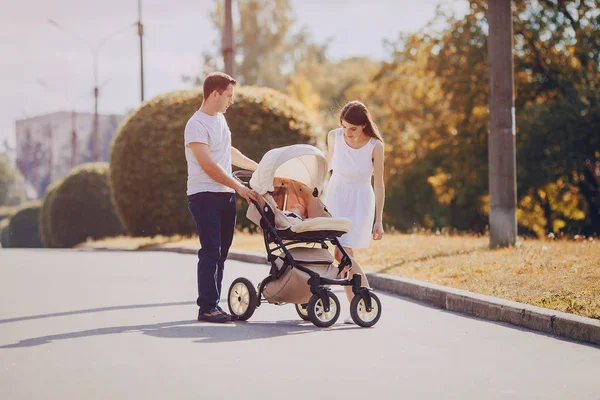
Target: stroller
x=301, y=266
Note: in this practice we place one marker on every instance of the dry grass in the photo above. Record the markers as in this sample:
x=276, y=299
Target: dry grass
x=562, y=275
x=132, y=243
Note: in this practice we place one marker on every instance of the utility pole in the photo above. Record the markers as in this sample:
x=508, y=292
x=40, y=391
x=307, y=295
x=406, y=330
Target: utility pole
x=141, y=34
x=95, y=50
x=228, y=39
x=73, y=140
x=502, y=131
x=51, y=155
x=95, y=135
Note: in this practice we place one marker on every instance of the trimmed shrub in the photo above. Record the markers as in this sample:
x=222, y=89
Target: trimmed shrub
x=45, y=228
x=7, y=212
x=148, y=168
x=4, y=232
x=23, y=226
x=81, y=207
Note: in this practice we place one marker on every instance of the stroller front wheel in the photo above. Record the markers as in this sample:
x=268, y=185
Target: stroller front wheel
x=302, y=311
x=242, y=299
x=316, y=310
x=359, y=313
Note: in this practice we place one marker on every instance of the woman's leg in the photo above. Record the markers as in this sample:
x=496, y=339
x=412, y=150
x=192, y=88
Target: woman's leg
x=356, y=269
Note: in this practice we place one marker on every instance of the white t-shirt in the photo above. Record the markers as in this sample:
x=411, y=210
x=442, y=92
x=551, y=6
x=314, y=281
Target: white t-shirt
x=213, y=131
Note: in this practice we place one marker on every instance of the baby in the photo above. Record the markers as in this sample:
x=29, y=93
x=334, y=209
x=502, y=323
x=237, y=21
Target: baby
x=296, y=211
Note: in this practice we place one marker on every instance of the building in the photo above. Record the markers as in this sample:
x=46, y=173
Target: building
x=48, y=146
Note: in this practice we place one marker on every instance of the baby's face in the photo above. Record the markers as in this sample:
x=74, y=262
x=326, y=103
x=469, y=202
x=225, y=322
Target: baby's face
x=298, y=209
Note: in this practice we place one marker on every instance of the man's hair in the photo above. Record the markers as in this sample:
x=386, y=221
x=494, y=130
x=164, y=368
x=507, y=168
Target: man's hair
x=218, y=81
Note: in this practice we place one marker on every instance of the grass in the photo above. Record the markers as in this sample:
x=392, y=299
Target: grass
x=560, y=274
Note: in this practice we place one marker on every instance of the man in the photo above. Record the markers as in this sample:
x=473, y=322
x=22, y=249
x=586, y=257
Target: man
x=211, y=189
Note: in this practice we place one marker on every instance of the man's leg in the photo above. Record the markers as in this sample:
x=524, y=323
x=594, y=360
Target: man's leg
x=228, y=220
x=205, y=208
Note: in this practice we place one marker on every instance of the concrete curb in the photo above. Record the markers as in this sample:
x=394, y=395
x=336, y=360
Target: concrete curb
x=545, y=320
x=491, y=308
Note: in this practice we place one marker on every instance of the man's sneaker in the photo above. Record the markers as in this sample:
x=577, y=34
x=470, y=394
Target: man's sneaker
x=213, y=315
x=231, y=317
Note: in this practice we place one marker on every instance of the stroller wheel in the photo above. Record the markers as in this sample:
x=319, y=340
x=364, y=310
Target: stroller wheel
x=302, y=311
x=359, y=313
x=317, y=313
x=242, y=299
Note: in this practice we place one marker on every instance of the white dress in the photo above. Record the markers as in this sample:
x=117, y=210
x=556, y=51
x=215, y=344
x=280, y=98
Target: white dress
x=349, y=192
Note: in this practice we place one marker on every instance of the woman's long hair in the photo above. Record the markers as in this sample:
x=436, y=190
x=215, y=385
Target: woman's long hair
x=356, y=113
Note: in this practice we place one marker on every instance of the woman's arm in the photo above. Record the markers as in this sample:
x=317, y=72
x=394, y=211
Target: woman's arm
x=330, y=144
x=379, y=187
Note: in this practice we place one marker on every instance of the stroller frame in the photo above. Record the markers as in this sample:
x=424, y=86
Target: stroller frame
x=274, y=241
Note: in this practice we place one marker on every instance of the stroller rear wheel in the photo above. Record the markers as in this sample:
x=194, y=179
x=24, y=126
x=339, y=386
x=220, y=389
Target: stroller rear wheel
x=302, y=311
x=317, y=313
x=242, y=299
x=359, y=313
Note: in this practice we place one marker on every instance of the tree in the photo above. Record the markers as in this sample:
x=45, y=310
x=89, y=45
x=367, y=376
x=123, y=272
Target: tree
x=431, y=103
x=265, y=45
x=12, y=183
x=272, y=51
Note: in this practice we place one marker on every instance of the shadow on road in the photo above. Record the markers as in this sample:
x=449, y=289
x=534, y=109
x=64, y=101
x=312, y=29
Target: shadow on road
x=203, y=332
x=93, y=310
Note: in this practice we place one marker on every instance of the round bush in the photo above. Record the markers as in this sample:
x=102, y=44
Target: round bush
x=45, y=229
x=4, y=232
x=81, y=207
x=23, y=227
x=148, y=168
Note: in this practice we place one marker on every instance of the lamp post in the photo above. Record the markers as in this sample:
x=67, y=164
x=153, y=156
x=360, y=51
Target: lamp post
x=95, y=50
x=228, y=39
x=71, y=104
x=141, y=35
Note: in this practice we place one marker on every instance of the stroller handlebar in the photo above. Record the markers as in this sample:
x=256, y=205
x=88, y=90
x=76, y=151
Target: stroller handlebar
x=241, y=174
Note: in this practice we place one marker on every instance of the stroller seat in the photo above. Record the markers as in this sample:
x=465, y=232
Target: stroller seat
x=316, y=220
x=322, y=224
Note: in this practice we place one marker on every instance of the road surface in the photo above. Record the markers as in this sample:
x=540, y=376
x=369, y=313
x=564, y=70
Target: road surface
x=122, y=325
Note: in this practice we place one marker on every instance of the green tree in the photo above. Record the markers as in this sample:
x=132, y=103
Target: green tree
x=431, y=102
x=558, y=58
x=266, y=46
x=12, y=183
x=272, y=51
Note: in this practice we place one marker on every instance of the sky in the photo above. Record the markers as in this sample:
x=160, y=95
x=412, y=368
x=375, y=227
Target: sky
x=46, y=68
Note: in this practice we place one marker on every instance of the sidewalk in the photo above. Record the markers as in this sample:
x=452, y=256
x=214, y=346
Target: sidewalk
x=460, y=301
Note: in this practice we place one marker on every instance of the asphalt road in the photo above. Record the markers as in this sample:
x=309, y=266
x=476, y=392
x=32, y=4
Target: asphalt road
x=122, y=325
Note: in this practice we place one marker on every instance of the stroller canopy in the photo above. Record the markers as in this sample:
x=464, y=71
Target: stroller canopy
x=300, y=162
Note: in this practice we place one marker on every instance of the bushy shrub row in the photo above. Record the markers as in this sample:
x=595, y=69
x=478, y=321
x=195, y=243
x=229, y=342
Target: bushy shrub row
x=148, y=167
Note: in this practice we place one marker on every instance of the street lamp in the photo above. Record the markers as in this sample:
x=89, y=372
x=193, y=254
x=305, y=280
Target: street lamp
x=227, y=45
x=141, y=35
x=71, y=103
x=95, y=50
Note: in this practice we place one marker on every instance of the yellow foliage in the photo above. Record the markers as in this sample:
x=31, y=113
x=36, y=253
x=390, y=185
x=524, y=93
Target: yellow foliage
x=301, y=89
x=439, y=183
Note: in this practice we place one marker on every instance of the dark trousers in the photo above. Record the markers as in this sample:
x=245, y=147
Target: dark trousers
x=214, y=214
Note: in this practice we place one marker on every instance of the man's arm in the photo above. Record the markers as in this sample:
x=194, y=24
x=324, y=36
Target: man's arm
x=217, y=173
x=241, y=161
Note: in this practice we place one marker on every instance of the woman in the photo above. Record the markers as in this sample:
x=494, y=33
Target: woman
x=355, y=153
